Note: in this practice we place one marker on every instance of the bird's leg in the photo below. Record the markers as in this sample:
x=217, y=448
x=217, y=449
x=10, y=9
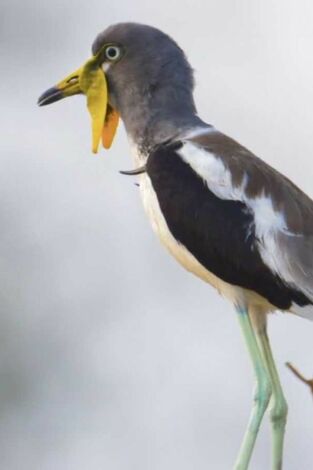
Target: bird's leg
x=278, y=405
x=262, y=392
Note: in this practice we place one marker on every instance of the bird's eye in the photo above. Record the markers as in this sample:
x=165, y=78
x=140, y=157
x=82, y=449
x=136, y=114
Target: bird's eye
x=113, y=53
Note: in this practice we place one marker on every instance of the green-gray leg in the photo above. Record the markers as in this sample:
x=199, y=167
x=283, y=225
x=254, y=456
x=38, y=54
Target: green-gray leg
x=278, y=405
x=262, y=393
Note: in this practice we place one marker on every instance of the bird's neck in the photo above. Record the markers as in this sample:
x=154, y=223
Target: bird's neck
x=157, y=115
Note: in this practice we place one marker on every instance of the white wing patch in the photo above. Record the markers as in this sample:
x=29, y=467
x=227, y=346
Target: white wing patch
x=270, y=224
x=219, y=180
x=211, y=169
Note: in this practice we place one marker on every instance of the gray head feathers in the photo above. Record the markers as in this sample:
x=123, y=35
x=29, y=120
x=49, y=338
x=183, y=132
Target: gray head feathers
x=152, y=85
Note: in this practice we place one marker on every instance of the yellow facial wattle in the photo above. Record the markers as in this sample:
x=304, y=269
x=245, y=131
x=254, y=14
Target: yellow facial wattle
x=93, y=84
x=91, y=81
x=110, y=127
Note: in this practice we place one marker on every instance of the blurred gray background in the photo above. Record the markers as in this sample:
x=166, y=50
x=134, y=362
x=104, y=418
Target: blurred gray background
x=111, y=356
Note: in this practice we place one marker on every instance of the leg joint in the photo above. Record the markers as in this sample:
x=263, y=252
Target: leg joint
x=279, y=411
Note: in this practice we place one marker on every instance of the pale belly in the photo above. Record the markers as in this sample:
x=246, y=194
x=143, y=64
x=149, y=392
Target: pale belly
x=237, y=295
x=258, y=306
x=182, y=255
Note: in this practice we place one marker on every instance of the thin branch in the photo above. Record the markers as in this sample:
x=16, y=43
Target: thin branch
x=308, y=382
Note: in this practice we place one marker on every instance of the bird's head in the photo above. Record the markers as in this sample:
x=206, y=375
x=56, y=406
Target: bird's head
x=135, y=72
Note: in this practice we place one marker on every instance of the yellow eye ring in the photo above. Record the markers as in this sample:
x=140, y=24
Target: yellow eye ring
x=113, y=53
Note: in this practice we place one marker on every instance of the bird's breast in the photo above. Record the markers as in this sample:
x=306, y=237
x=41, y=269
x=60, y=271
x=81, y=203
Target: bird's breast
x=176, y=249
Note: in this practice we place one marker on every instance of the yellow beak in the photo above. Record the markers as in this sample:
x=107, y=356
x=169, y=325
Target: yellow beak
x=91, y=81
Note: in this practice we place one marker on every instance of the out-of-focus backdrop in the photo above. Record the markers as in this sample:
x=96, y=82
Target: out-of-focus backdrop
x=111, y=356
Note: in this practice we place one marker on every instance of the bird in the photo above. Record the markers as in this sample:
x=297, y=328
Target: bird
x=224, y=214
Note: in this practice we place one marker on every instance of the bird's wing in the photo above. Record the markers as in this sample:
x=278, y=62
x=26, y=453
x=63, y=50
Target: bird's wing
x=283, y=214
x=249, y=222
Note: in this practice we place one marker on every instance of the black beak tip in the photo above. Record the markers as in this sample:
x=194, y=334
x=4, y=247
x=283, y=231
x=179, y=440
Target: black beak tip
x=50, y=96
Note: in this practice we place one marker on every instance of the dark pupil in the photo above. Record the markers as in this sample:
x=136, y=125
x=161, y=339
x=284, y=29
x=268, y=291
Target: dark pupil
x=112, y=53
